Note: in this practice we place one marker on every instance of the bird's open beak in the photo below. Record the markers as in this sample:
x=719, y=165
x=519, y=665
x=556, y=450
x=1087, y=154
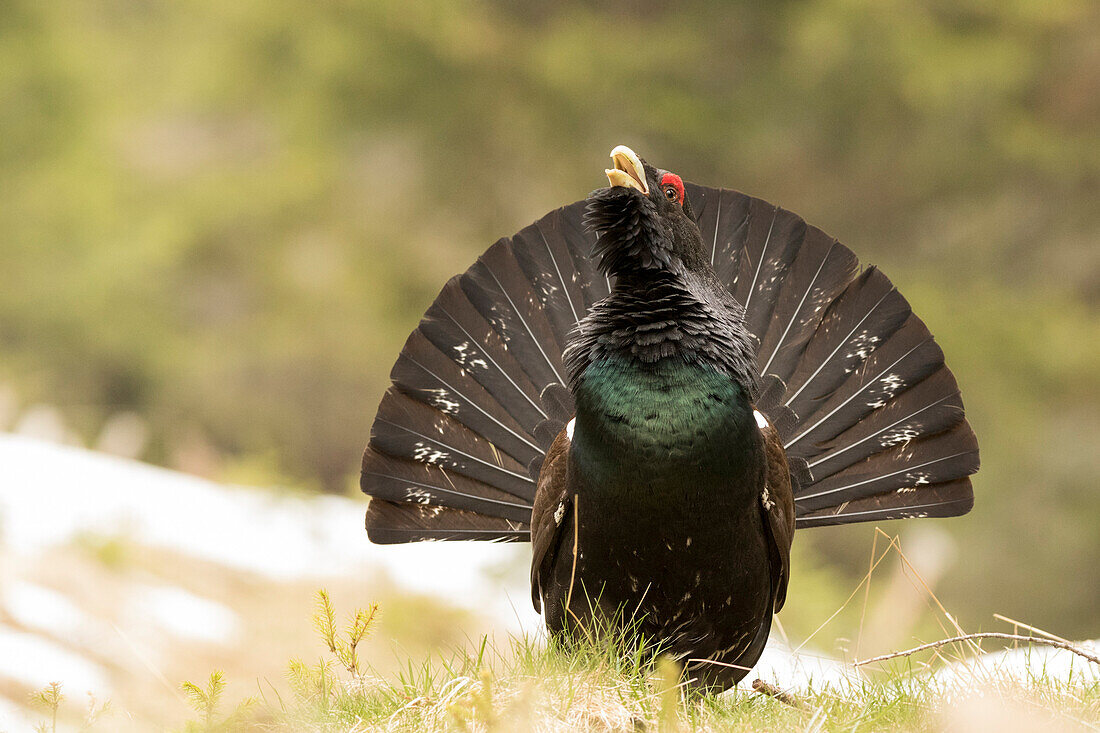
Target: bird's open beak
x=628, y=170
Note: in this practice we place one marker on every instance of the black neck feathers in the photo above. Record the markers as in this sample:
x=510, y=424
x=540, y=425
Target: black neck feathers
x=632, y=235
x=665, y=301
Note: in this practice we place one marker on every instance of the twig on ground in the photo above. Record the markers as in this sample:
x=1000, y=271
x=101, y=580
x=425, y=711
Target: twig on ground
x=786, y=698
x=985, y=635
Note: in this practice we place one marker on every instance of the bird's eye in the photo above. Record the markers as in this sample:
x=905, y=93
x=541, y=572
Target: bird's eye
x=673, y=188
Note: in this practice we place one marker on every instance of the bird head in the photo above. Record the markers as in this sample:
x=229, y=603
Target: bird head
x=643, y=219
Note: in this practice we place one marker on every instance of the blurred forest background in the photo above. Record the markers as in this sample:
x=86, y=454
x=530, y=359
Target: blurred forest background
x=219, y=221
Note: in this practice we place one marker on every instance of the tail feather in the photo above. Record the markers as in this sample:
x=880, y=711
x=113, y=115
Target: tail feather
x=455, y=327
x=391, y=523
x=774, y=239
x=852, y=380
x=907, y=357
x=548, y=263
x=868, y=311
x=557, y=403
x=905, y=468
x=824, y=268
x=502, y=294
x=423, y=485
x=723, y=218
x=567, y=225
x=429, y=376
x=407, y=428
x=949, y=499
x=929, y=408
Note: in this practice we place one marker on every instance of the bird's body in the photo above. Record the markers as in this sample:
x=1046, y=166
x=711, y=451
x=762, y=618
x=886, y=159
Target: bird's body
x=664, y=463
x=667, y=463
x=671, y=528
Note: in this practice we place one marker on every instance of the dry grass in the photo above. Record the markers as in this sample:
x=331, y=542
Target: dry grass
x=545, y=690
x=608, y=684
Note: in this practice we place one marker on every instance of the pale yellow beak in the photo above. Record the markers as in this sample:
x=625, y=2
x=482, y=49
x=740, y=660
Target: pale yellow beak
x=628, y=170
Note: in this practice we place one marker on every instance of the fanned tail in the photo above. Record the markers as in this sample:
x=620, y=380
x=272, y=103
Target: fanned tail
x=455, y=435
x=870, y=416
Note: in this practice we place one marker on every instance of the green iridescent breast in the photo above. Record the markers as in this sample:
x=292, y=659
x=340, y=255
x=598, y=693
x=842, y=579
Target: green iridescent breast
x=667, y=420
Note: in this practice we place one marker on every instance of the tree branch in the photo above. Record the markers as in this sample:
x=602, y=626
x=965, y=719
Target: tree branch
x=986, y=635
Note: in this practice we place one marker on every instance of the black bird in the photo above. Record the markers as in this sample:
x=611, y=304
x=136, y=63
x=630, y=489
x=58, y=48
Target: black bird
x=655, y=386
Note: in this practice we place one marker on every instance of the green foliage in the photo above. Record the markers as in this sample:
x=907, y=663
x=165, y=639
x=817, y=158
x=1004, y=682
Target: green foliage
x=94, y=711
x=112, y=551
x=206, y=701
x=344, y=648
x=50, y=698
x=311, y=684
x=318, y=689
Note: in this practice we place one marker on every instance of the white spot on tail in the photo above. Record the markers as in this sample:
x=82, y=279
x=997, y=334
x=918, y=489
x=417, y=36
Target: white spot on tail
x=898, y=437
x=442, y=400
x=464, y=358
x=427, y=454
x=761, y=421
x=420, y=496
x=569, y=429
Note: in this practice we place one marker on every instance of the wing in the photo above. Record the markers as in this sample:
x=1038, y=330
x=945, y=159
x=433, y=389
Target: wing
x=551, y=514
x=777, y=503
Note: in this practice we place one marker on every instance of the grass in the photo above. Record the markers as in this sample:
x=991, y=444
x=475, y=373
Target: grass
x=608, y=684
x=605, y=684
x=544, y=690
x=532, y=687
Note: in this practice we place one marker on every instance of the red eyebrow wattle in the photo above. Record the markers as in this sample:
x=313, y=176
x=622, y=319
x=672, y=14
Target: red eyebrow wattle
x=675, y=181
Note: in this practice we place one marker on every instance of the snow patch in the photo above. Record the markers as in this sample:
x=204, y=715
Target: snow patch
x=1024, y=665
x=13, y=718
x=41, y=608
x=800, y=670
x=186, y=615
x=51, y=494
x=36, y=662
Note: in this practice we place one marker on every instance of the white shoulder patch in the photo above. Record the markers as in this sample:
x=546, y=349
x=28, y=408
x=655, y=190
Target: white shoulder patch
x=765, y=498
x=761, y=421
x=569, y=429
x=559, y=513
